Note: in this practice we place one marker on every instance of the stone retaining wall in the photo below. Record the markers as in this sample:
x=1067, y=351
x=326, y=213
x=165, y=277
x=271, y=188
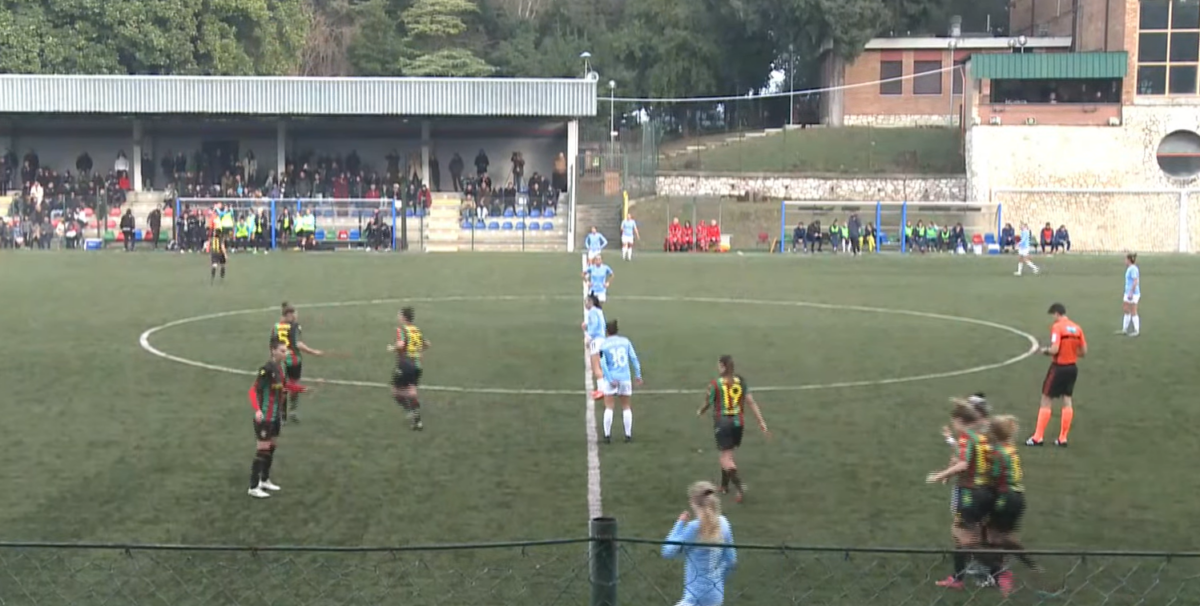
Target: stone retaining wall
x=814, y=188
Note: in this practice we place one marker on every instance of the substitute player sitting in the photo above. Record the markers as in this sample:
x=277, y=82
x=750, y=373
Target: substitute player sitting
x=617, y=359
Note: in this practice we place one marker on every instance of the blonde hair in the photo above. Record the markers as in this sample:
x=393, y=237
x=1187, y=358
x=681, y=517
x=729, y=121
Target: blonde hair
x=703, y=497
x=1004, y=428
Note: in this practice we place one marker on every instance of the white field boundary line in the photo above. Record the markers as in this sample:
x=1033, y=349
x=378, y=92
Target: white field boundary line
x=595, y=506
x=144, y=341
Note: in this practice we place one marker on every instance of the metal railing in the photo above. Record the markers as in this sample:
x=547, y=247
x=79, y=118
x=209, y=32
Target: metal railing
x=603, y=570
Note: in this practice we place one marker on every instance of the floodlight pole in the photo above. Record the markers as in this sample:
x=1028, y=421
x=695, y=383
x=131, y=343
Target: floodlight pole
x=612, y=118
x=791, y=85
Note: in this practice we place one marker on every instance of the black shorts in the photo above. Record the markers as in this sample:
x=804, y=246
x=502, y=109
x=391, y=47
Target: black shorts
x=1060, y=381
x=265, y=430
x=1007, y=511
x=974, y=506
x=407, y=374
x=218, y=258
x=293, y=372
x=729, y=435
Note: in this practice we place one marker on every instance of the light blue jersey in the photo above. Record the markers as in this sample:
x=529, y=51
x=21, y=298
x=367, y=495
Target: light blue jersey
x=1026, y=240
x=1133, y=281
x=628, y=228
x=594, y=323
x=598, y=276
x=595, y=242
x=705, y=568
x=617, y=357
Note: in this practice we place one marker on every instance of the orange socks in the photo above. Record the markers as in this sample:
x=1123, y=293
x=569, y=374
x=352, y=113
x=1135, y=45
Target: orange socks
x=1068, y=413
x=1042, y=422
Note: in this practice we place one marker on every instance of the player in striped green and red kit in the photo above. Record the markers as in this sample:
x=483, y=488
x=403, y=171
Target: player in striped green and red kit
x=287, y=331
x=267, y=397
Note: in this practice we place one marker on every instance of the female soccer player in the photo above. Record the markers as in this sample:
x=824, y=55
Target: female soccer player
x=596, y=278
x=217, y=255
x=705, y=566
x=728, y=395
x=593, y=338
x=594, y=242
x=1009, y=489
x=267, y=396
x=409, y=346
x=629, y=233
x=617, y=357
x=975, y=499
x=1131, y=326
x=1023, y=250
x=287, y=331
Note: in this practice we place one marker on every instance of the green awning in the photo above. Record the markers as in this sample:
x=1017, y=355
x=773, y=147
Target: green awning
x=1048, y=66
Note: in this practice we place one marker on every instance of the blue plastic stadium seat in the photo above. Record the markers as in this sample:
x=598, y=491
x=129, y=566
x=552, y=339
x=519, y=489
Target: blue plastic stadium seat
x=520, y=212
x=547, y=226
x=320, y=234
x=535, y=214
x=520, y=225
x=355, y=235
x=480, y=224
x=535, y=226
x=507, y=225
x=466, y=225
x=549, y=214
x=989, y=239
x=137, y=235
x=408, y=212
x=883, y=238
x=508, y=213
x=494, y=225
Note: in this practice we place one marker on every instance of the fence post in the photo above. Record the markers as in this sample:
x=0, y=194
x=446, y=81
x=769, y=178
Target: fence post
x=999, y=221
x=274, y=221
x=878, y=225
x=603, y=561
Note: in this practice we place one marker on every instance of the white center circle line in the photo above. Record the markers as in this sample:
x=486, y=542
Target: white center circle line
x=144, y=341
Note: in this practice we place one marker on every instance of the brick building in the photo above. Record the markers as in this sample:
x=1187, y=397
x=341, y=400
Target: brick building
x=1122, y=174
x=911, y=81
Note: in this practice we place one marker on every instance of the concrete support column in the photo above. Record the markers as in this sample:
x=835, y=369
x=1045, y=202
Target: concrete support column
x=135, y=159
x=572, y=179
x=280, y=148
x=426, y=151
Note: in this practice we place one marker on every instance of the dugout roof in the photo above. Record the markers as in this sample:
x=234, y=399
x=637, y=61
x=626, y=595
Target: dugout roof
x=291, y=96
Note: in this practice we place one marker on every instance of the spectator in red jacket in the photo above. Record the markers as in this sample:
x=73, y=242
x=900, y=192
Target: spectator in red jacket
x=674, y=236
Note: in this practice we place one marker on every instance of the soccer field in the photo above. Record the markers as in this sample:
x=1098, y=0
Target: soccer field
x=852, y=361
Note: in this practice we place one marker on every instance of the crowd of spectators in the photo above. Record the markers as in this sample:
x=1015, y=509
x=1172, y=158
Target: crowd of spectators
x=482, y=198
x=1050, y=240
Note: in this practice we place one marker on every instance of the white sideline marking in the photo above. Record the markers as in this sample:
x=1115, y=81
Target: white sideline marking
x=144, y=341
x=595, y=508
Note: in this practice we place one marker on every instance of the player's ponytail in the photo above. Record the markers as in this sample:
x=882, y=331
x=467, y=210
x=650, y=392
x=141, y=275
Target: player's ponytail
x=595, y=301
x=704, y=501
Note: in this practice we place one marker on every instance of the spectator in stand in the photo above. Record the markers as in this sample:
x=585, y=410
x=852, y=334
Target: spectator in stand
x=559, y=179
x=456, y=171
x=518, y=168
x=509, y=193
x=800, y=237
x=1047, y=238
x=1062, y=239
x=481, y=163
x=1008, y=238
x=425, y=197
x=127, y=226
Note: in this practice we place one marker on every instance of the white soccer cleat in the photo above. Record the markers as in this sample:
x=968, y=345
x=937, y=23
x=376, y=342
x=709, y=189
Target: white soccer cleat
x=269, y=485
x=258, y=493
x=1134, y=334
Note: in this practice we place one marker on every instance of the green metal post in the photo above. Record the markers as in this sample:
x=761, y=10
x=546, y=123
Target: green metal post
x=603, y=561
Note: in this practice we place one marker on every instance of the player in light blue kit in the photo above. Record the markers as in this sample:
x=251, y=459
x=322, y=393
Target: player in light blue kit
x=705, y=568
x=617, y=359
x=1023, y=250
x=1132, y=325
x=593, y=338
x=629, y=233
x=594, y=242
x=596, y=279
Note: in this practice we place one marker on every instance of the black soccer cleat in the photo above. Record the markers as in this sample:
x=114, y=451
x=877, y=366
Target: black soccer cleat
x=608, y=439
x=1033, y=442
x=628, y=439
x=1060, y=443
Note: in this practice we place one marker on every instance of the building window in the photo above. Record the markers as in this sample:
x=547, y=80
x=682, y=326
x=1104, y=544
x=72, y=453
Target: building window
x=928, y=80
x=1179, y=154
x=956, y=79
x=1168, y=47
x=890, y=73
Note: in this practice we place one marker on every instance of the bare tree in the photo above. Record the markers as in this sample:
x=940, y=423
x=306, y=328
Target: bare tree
x=331, y=29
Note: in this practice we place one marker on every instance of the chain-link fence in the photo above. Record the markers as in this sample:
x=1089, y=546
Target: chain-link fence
x=603, y=571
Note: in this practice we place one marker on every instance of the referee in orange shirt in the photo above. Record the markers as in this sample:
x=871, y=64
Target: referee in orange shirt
x=1067, y=345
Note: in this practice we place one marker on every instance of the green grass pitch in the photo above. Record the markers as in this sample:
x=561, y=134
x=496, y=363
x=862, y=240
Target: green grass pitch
x=106, y=442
